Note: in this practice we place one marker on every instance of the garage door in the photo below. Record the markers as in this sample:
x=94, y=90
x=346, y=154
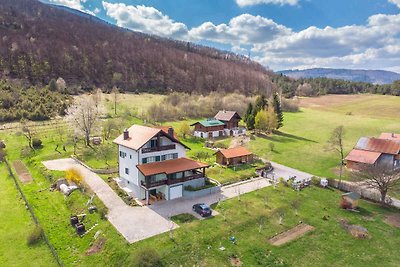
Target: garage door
x=175, y=192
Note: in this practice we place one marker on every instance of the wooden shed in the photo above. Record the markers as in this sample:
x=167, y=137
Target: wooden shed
x=233, y=156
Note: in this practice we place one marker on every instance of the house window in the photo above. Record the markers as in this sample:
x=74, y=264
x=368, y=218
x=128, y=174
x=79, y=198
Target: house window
x=158, y=158
x=122, y=154
x=126, y=171
x=144, y=160
x=130, y=156
x=163, y=157
x=153, y=143
x=175, y=155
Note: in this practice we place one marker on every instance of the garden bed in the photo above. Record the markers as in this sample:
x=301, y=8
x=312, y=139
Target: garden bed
x=22, y=172
x=291, y=234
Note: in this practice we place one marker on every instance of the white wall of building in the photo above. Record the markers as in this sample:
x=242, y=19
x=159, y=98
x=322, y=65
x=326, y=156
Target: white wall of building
x=199, y=134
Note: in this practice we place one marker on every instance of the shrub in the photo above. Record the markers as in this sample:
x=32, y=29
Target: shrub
x=147, y=257
x=271, y=146
x=315, y=180
x=103, y=213
x=36, y=143
x=220, y=145
x=73, y=175
x=35, y=236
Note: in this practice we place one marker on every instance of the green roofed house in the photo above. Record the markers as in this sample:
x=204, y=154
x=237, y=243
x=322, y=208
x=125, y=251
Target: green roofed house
x=209, y=128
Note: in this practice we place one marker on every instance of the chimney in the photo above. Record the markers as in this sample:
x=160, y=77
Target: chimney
x=126, y=134
x=171, y=131
x=393, y=135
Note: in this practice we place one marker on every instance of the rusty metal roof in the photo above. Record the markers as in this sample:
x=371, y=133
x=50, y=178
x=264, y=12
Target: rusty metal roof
x=367, y=157
x=224, y=115
x=235, y=152
x=378, y=145
x=170, y=166
x=390, y=136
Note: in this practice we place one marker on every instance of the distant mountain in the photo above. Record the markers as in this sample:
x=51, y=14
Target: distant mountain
x=369, y=76
x=40, y=42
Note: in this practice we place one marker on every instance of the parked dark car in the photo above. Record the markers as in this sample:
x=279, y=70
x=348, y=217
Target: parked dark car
x=203, y=209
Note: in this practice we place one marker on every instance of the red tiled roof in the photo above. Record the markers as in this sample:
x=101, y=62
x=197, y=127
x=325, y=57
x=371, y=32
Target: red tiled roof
x=139, y=135
x=235, y=152
x=368, y=157
x=390, y=136
x=224, y=115
x=170, y=166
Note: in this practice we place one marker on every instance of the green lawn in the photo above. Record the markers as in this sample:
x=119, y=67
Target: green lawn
x=15, y=226
x=227, y=175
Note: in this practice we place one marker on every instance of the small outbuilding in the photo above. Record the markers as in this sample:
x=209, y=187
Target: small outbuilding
x=350, y=200
x=234, y=156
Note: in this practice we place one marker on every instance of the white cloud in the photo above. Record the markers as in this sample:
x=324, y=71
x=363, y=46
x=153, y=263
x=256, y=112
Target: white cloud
x=243, y=3
x=396, y=2
x=243, y=29
x=145, y=19
x=75, y=4
x=96, y=10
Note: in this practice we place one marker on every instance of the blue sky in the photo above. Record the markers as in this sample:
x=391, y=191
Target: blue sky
x=280, y=34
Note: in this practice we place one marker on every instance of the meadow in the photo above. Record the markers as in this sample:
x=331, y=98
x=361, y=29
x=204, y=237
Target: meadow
x=300, y=144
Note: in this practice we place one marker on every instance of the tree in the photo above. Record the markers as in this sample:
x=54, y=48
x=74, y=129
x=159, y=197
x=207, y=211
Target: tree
x=73, y=175
x=261, y=121
x=61, y=85
x=115, y=93
x=261, y=104
x=272, y=122
x=278, y=110
x=28, y=131
x=379, y=178
x=335, y=143
x=110, y=126
x=184, y=129
x=53, y=86
x=83, y=116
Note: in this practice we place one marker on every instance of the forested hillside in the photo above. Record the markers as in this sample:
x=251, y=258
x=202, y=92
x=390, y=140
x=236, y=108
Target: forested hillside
x=41, y=42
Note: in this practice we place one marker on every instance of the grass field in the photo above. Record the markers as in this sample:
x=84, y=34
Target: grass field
x=301, y=143
x=15, y=226
x=197, y=242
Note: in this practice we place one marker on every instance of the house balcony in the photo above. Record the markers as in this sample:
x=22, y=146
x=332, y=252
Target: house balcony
x=149, y=184
x=158, y=148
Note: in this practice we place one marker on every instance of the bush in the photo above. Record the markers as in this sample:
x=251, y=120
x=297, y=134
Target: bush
x=35, y=236
x=147, y=257
x=103, y=213
x=290, y=105
x=36, y=143
x=315, y=180
x=74, y=176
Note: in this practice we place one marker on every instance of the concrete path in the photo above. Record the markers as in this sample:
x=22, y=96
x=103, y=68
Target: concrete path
x=287, y=172
x=184, y=205
x=134, y=223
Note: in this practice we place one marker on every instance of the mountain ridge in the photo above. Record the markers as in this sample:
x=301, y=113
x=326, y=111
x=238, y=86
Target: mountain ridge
x=41, y=42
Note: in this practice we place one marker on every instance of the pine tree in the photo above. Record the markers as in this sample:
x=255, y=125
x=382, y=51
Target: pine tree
x=261, y=104
x=249, y=112
x=278, y=110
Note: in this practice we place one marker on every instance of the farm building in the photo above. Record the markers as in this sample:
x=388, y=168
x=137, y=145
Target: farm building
x=381, y=152
x=210, y=128
x=231, y=120
x=233, y=156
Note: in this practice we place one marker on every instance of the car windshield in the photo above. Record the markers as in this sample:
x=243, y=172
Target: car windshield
x=204, y=207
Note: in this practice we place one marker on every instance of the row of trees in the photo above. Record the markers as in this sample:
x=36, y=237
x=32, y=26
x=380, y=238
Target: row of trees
x=264, y=115
x=321, y=86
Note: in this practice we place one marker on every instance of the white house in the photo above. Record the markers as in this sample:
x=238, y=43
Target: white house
x=152, y=163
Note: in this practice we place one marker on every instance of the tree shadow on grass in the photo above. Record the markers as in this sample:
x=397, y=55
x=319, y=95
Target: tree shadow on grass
x=291, y=136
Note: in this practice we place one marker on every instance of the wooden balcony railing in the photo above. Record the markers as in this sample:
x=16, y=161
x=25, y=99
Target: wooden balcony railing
x=157, y=148
x=149, y=184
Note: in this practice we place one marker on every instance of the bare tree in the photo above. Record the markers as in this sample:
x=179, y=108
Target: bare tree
x=84, y=116
x=28, y=131
x=379, y=178
x=115, y=93
x=335, y=143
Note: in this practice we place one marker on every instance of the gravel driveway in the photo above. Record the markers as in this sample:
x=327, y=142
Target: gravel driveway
x=134, y=223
